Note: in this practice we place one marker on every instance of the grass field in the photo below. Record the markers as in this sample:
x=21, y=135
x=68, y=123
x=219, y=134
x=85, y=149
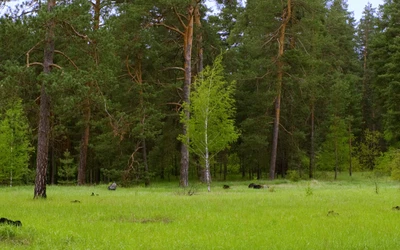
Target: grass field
x=288, y=215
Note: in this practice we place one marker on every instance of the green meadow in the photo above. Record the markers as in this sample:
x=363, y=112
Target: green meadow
x=353, y=213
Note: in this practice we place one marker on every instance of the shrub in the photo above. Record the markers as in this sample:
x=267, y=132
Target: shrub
x=293, y=175
x=68, y=169
x=309, y=190
x=389, y=164
x=369, y=149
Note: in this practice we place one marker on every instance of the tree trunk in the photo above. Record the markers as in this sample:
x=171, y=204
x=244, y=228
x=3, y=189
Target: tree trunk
x=199, y=54
x=206, y=154
x=225, y=164
x=84, y=145
x=139, y=80
x=312, y=141
x=286, y=16
x=365, y=110
x=44, y=116
x=350, y=149
x=199, y=37
x=43, y=145
x=207, y=170
x=87, y=109
x=336, y=149
x=53, y=162
x=146, y=166
x=187, y=49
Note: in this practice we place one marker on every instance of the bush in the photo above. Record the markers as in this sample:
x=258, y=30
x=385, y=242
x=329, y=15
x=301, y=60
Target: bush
x=389, y=164
x=293, y=175
x=67, y=169
x=369, y=149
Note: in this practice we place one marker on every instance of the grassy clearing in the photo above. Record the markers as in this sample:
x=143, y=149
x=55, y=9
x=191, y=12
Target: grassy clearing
x=293, y=216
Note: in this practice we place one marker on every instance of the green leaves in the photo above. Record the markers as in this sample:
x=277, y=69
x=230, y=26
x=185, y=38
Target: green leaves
x=211, y=125
x=15, y=148
x=67, y=169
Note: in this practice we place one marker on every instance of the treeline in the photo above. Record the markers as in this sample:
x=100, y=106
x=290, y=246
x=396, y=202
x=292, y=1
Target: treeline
x=93, y=91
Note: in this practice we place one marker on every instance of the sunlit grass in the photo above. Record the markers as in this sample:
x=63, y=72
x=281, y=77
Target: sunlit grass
x=293, y=216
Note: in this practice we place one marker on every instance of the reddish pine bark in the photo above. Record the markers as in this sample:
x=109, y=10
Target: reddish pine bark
x=187, y=49
x=286, y=16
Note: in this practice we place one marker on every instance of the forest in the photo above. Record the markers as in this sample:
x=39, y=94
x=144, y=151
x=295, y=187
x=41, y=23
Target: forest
x=99, y=91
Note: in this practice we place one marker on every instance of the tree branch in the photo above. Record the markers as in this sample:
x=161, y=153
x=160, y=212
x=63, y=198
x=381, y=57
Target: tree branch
x=180, y=19
x=69, y=59
x=274, y=35
x=84, y=37
x=29, y=51
x=177, y=68
x=34, y=63
x=55, y=65
x=280, y=124
x=171, y=28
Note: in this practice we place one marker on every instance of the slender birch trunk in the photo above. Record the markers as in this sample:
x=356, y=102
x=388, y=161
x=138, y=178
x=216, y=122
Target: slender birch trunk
x=206, y=155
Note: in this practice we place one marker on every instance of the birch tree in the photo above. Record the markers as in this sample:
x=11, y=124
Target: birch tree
x=15, y=148
x=211, y=125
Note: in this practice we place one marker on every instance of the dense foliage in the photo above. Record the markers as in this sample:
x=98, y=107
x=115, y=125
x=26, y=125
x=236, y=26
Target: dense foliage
x=315, y=89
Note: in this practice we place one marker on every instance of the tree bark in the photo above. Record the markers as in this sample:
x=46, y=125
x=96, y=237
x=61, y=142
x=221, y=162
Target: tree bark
x=206, y=154
x=336, y=149
x=139, y=80
x=87, y=110
x=366, y=111
x=312, y=141
x=44, y=113
x=84, y=145
x=199, y=59
x=43, y=145
x=146, y=166
x=199, y=37
x=286, y=16
x=187, y=48
x=350, y=150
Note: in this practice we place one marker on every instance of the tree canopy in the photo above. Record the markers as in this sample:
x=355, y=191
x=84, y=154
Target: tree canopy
x=107, y=81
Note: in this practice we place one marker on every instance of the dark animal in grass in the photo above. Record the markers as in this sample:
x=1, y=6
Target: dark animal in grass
x=113, y=186
x=93, y=194
x=6, y=221
x=396, y=208
x=76, y=201
x=255, y=186
x=332, y=213
x=226, y=187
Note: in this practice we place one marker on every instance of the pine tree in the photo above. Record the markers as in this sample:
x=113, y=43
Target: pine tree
x=386, y=60
x=44, y=122
x=366, y=31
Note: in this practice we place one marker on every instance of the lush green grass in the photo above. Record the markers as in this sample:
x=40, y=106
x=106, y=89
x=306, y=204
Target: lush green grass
x=293, y=216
